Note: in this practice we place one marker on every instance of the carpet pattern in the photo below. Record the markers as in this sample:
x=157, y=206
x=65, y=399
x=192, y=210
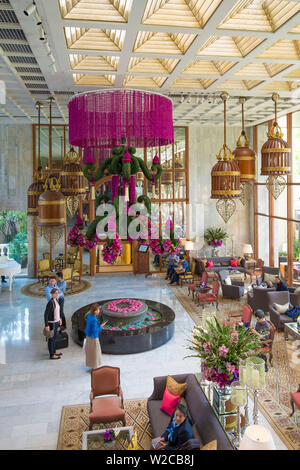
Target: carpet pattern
x=37, y=289
x=282, y=379
x=75, y=420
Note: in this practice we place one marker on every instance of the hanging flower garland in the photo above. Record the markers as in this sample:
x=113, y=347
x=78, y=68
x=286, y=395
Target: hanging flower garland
x=112, y=249
x=76, y=238
x=165, y=246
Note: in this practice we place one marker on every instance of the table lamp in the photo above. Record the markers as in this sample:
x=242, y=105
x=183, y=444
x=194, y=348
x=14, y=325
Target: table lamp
x=257, y=437
x=248, y=251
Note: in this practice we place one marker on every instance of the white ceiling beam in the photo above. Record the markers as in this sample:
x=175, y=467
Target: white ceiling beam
x=274, y=37
x=134, y=20
x=209, y=29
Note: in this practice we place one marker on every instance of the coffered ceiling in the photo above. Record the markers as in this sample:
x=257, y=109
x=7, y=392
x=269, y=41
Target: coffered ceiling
x=190, y=50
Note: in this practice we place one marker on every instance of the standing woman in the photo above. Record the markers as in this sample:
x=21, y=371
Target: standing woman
x=52, y=322
x=92, y=346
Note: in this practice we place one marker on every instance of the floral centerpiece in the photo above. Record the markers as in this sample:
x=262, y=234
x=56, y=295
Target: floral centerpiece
x=220, y=349
x=109, y=435
x=112, y=249
x=215, y=236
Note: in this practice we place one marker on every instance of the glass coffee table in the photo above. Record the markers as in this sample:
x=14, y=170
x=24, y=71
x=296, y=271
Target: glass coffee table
x=94, y=440
x=292, y=330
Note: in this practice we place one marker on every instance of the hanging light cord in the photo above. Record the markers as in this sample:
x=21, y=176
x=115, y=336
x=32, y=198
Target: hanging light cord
x=225, y=122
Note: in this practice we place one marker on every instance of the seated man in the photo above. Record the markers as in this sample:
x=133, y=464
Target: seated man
x=263, y=330
x=280, y=284
x=173, y=261
x=181, y=270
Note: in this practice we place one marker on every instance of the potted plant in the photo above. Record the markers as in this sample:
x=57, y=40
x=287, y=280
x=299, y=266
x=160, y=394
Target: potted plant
x=214, y=237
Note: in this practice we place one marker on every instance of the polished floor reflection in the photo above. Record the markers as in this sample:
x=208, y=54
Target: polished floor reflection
x=34, y=389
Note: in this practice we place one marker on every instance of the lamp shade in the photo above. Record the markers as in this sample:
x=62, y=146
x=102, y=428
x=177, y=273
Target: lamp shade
x=189, y=246
x=247, y=249
x=257, y=437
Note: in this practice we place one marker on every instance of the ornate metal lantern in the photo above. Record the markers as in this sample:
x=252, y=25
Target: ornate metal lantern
x=33, y=193
x=52, y=212
x=225, y=177
x=72, y=180
x=275, y=157
x=246, y=160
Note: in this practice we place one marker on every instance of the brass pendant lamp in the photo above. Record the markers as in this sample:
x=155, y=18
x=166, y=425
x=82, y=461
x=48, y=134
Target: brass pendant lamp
x=246, y=160
x=275, y=157
x=225, y=177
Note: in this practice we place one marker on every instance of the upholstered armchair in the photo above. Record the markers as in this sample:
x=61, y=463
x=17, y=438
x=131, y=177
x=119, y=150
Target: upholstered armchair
x=257, y=299
x=233, y=291
x=295, y=400
x=68, y=276
x=106, y=409
x=278, y=319
x=268, y=270
x=267, y=345
x=72, y=254
x=44, y=270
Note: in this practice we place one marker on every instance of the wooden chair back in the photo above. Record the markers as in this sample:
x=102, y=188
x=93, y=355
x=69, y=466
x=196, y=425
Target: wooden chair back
x=67, y=274
x=105, y=381
x=246, y=314
x=204, y=277
x=215, y=287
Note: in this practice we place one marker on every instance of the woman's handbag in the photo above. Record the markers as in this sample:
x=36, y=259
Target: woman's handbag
x=48, y=333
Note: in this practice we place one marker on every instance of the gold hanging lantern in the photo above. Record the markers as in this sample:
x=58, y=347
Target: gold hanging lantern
x=225, y=177
x=246, y=160
x=52, y=212
x=73, y=181
x=37, y=187
x=275, y=157
x=33, y=193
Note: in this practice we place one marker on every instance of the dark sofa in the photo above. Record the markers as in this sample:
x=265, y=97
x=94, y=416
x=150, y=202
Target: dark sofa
x=200, y=412
x=222, y=261
x=281, y=297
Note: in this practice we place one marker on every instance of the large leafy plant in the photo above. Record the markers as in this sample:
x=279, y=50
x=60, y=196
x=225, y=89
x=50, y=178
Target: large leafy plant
x=18, y=247
x=221, y=347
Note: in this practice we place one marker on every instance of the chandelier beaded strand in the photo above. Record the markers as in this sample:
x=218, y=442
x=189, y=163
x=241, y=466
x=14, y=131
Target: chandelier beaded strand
x=225, y=176
x=275, y=157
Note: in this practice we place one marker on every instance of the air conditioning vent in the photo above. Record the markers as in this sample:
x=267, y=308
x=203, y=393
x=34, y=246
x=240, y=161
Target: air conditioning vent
x=28, y=70
x=32, y=78
x=8, y=16
x=15, y=34
x=23, y=60
x=16, y=48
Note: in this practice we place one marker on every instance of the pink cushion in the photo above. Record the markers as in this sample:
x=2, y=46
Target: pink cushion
x=233, y=263
x=209, y=264
x=169, y=402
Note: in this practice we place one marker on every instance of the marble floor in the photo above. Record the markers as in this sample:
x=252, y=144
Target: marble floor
x=34, y=389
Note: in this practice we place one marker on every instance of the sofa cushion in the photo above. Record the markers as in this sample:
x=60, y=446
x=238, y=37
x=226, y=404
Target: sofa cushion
x=233, y=263
x=106, y=409
x=169, y=402
x=212, y=445
x=210, y=264
x=227, y=281
x=174, y=387
x=159, y=419
x=281, y=308
x=269, y=277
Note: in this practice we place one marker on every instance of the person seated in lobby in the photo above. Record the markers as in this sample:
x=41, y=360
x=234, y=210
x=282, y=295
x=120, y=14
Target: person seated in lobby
x=173, y=261
x=263, y=330
x=60, y=298
x=3, y=279
x=182, y=269
x=177, y=433
x=280, y=284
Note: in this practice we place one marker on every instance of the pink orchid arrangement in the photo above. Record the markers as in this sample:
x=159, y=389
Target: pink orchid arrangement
x=76, y=238
x=220, y=349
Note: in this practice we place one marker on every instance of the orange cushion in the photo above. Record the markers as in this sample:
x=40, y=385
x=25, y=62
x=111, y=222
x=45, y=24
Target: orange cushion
x=106, y=410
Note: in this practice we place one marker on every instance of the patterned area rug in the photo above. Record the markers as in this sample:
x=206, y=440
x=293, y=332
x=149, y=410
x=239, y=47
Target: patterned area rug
x=75, y=420
x=37, y=289
x=282, y=378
